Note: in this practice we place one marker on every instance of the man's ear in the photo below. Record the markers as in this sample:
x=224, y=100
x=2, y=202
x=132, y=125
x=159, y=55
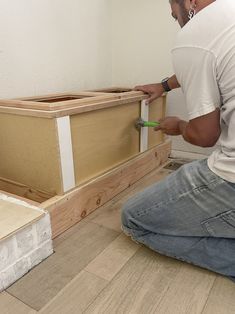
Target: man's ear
x=193, y=4
x=190, y=4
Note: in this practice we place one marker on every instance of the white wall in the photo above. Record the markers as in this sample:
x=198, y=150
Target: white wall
x=50, y=46
x=143, y=34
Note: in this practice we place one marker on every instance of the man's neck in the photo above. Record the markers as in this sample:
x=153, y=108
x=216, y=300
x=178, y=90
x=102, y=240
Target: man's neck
x=201, y=4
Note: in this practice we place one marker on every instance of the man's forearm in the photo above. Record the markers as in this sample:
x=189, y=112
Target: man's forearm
x=191, y=136
x=188, y=133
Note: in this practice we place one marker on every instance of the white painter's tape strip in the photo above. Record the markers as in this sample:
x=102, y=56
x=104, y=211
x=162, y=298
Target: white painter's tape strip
x=144, y=130
x=66, y=152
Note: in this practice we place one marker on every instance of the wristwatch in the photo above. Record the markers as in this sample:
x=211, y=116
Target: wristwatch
x=165, y=84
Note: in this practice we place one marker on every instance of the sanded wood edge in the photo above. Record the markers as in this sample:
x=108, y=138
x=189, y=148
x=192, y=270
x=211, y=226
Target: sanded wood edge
x=69, y=209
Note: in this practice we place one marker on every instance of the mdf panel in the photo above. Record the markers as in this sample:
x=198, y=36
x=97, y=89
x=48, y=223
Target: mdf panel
x=29, y=152
x=156, y=112
x=102, y=139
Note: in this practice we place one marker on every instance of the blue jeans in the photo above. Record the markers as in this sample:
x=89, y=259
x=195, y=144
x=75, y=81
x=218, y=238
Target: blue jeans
x=189, y=216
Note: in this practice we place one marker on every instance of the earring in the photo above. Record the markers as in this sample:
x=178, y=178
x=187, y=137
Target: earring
x=191, y=13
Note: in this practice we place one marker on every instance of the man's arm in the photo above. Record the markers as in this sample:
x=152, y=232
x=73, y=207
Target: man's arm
x=156, y=90
x=203, y=131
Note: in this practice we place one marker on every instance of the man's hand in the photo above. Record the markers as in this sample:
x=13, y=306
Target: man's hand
x=170, y=126
x=156, y=90
x=153, y=90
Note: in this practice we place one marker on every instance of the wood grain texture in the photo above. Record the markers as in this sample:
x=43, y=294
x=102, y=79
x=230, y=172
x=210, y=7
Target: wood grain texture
x=14, y=217
x=23, y=191
x=77, y=295
x=29, y=153
x=11, y=305
x=107, y=264
x=67, y=210
x=72, y=255
x=157, y=111
x=188, y=292
x=103, y=139
x=139, y=286
x=222, y=297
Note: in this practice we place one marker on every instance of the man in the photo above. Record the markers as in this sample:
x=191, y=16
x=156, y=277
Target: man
x=191, y=214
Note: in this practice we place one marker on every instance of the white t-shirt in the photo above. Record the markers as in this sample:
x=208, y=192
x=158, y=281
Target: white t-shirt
x=204, y=63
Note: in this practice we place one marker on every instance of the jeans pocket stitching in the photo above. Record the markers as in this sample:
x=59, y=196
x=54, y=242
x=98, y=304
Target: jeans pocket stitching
x=207, y=224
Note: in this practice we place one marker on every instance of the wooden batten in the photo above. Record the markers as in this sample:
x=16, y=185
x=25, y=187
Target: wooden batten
x=67, y=210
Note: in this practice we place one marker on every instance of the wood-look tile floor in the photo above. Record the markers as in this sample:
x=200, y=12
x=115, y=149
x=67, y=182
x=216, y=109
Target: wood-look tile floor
x=97, y=269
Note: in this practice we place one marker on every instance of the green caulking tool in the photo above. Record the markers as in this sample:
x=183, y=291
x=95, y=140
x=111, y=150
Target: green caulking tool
x=140, y=123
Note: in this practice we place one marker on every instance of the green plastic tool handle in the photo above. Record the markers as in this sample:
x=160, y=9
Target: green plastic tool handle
x=151, y=124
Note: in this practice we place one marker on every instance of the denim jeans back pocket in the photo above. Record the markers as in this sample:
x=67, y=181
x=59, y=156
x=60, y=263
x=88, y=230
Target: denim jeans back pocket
x=222, y=225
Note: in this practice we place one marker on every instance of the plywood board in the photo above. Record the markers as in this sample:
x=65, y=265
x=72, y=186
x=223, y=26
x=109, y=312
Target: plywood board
x=103, y=139
x=156, y=111
x=29, y=152
x=13, y=217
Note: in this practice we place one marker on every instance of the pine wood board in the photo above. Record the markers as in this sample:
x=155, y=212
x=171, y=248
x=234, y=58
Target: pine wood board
x=67, y=210
x=139, y=286
x=71, y=256
x=113, y=258
x=11, y=305
x=14, y=217
x=104, y=139
x=222, y=297
x=77, y=295
x=29, y=149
